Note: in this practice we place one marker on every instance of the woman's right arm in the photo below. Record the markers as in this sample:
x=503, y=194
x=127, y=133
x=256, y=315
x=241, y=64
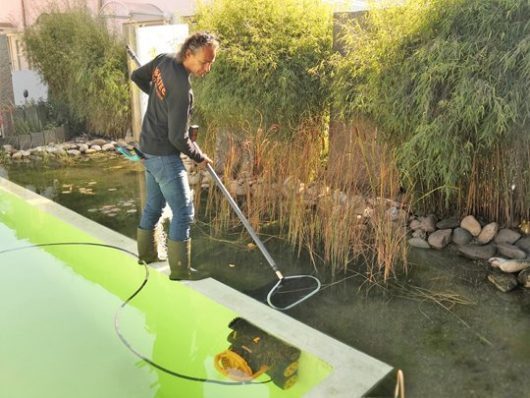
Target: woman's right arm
x=142, y=75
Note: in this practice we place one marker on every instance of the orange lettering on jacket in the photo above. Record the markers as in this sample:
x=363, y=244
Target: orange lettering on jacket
x=160, y=89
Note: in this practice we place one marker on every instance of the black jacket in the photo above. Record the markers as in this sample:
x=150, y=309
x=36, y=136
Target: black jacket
x=167, y=118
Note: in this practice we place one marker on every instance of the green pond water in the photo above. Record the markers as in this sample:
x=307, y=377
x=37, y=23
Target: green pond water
x=450, y=331
x=58, y=306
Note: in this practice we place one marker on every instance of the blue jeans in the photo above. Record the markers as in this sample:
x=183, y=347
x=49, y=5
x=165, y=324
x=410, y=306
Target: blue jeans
x=166, y=180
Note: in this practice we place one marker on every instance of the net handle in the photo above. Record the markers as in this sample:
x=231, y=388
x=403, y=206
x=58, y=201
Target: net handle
x=244, y=220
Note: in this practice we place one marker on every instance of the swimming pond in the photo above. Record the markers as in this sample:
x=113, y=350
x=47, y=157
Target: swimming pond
x=63, y=313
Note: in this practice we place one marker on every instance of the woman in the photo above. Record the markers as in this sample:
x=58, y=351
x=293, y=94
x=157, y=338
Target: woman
x=165, y=135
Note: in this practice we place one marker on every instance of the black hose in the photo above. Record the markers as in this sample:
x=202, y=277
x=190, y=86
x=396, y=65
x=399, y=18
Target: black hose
x=117, y=314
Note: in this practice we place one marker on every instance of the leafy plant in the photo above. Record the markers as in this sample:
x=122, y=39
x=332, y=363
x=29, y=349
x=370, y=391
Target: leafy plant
x=447, y=81
x=84, y=65
x=271, y=68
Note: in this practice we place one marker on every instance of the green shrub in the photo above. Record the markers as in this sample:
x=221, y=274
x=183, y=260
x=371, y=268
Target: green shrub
x=272, y=64
x=85, y=68
x=448, y=83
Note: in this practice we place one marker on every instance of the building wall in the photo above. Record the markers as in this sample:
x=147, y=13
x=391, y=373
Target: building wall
x=11, y=10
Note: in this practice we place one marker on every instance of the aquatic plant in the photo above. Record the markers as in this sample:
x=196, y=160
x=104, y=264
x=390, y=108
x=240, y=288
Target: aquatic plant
x=341, y=213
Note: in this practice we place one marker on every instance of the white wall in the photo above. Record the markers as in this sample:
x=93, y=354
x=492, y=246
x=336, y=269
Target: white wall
x=28, y=80
x=153, y=40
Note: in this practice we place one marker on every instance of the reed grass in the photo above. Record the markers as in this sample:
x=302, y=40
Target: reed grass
x=343, y=214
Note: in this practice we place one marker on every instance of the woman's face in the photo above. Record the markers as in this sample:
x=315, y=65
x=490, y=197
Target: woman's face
x=200, y=62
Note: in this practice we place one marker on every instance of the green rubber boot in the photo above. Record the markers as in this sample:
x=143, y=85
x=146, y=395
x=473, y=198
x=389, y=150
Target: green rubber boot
x=146, y=246
x=179, y=258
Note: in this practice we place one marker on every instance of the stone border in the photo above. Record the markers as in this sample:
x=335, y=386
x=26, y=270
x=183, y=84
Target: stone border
x=506, y=250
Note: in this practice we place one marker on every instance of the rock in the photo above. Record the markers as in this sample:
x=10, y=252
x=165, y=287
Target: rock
x=73, y=152
x=440, y=239
x=397, y=215
x=90, y=150
x=69, y=145
x=420, y=234
x=339, y=197
x=506, y=235
x=108, y=147
x=419, y=243
x=503, y=282
x=508, y=265
x=8, y=148
x=477, y=252
x=446, y=223
x=96, y=148
x=470, y=223
x=510, y=251
x=83, y=148
x=206, y=178
x=428, y=224
x=524, y=244
x=17, y=155
x=461, y=236
x=415, y=225
x=357, y=204
x=194, y=179
x=98, y=142
x=488, y=233
x=524, y=278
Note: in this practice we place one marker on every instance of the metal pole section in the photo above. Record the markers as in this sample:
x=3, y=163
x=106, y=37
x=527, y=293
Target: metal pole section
x=244, y=220
x=133, y=56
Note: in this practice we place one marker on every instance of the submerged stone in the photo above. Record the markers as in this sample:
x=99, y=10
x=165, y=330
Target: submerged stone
x=510, y=251
x=477, y=252
x=506, y=235
x=524, y=278
x=419, y=243
x=440, y=239
x=503, y=282
x=461, y=236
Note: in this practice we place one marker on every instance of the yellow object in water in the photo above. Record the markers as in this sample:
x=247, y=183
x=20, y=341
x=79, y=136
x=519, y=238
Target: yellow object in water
x=236, y=367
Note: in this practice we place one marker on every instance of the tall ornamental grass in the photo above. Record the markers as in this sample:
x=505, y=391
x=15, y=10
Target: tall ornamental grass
x=84, y=66
x=447, y=81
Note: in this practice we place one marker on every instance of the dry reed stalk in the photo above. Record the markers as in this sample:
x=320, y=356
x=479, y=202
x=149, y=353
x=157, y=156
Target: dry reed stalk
x=320, y=207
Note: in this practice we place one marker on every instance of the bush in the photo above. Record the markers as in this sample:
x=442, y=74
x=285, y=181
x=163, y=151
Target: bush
x=271, y=66
x=85, y=68
x=448, y=82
